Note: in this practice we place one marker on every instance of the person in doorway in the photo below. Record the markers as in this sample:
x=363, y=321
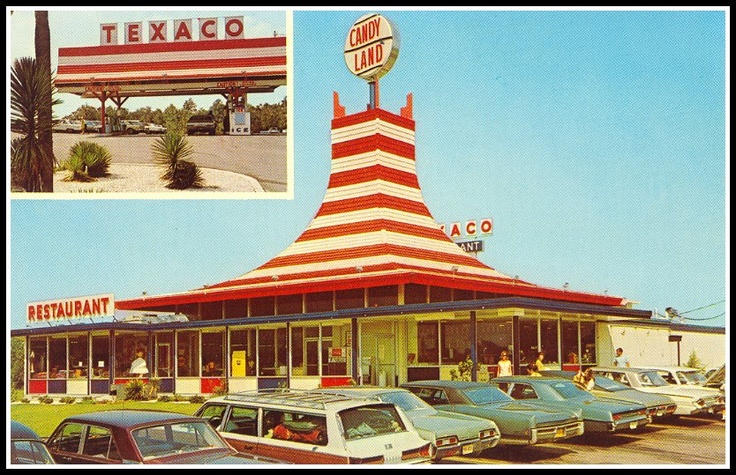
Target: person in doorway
x=539, y=363
x=504, y=365
x=621, y=360
x=138, y=367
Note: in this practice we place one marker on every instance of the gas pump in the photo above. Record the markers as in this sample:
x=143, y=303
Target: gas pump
x=239, y=123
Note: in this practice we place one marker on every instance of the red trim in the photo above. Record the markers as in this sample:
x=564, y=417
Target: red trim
x=327, y=381
x=157, y=79
x=371, y=173
x=372, y=143
x=367, y=116
x=371, y=226
x=37, y=386
x=210, y=385
x=171, y=66
x=378, y=200
x=171, y=46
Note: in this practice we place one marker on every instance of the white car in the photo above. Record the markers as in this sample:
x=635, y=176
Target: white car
x=691, y=400
x=154, y=129
x=67, y=125
x=680, y=375
x=310, y=427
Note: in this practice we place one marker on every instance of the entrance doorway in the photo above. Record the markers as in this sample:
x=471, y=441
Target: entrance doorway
x=378, y=353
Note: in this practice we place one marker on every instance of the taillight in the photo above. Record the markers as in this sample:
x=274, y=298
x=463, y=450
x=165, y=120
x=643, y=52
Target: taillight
x=617, y=416
x=487, y=434
x=452, y=440
x=421, y=452
x=377, y=459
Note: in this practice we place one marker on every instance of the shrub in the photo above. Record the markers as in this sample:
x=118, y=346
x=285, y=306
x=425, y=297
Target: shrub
x=45, y=399
x=68, y=400
x=164, y=398
x=197, y=399
x=16, y=395
x=87, y=161
x=135, y=390
x=171, y=151
x=463, y=371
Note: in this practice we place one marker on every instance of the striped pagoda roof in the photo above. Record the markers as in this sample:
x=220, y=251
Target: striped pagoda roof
x=372, y=229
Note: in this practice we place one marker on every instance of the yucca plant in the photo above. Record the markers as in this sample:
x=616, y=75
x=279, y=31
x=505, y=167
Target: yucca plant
x=171, y=151
x=87, y=161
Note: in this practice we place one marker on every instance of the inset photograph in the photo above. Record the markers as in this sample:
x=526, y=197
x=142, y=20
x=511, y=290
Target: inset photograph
x=138, y=103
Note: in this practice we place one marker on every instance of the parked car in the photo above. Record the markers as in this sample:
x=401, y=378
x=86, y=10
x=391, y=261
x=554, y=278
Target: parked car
x=138, y=436
x=601, y=416
x=201, y=124
x=680, y=375
x=310, y=427
x=132, y=126
x=691, y=400
x=716, y=379
x=449, y=433
x=26, y=447
x=67, y=125
x=154, y=129
x=93, y=125
x=519, y=423
x=659, y=406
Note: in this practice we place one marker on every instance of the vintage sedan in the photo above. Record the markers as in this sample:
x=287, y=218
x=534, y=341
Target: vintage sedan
x=26, y=447
x=449, y=433
x=519, y=423
x=311, y=427
x=680, y=375
x=659, y=406
x=138, y=436
x=691, y=400
x=601, y=416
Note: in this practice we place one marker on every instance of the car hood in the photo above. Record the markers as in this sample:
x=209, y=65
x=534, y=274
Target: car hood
x=208, y=457
x=683, y=391
x=445, y=423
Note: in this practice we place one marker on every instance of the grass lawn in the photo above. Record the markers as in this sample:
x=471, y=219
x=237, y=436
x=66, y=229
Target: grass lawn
x=43, y=418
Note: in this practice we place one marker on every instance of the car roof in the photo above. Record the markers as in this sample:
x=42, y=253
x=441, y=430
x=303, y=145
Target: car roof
x=362, y=391
x=297, y=399
x=455, y=384
x=20, y=431
x=129, y=417
x=685, y=369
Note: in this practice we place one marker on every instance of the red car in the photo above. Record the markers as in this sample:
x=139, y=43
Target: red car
x=137, y=436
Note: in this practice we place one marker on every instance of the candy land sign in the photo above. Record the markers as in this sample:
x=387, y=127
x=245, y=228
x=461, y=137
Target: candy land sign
x=371, y=47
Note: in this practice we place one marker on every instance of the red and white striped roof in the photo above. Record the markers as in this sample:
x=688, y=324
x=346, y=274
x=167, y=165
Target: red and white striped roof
x=373, y=229
x=206, y=61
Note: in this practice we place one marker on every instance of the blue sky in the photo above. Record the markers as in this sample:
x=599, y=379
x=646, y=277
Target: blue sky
x=595, y=140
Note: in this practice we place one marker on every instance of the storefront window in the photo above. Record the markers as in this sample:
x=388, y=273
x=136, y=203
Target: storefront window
x=587, y=342
x=127, y=348
x=57, y=358
x=101, y=357
x=549, y=341
x=242, y=353
x=213, y=346
x=187, y=353
x=427, y=342
x=455, y=341
x=570, y=347
x=272, y=350
x=37, y=359
x=78, y=356
x=494, y=336
x=528, y=338
x=165, y=354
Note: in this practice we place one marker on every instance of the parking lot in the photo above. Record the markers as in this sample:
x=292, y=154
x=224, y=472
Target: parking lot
x=262, y=157
x=682, y=441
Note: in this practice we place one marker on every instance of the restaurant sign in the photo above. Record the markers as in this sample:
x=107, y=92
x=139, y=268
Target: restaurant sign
x=66, y=309
x=371, y=47
x=183, y=30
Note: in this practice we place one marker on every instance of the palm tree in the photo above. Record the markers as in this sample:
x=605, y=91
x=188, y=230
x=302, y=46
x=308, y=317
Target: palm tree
x=45, y=117
x=30, y=161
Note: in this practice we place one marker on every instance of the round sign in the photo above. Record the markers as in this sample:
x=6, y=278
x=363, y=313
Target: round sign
x=371, y=47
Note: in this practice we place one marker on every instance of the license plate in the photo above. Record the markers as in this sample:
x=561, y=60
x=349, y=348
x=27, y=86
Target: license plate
x=467, y=449
x=633, y=425
x=660, y=412
x=560, y=432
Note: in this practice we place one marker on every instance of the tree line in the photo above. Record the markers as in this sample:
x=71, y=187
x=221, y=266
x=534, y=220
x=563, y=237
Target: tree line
x=262, y=117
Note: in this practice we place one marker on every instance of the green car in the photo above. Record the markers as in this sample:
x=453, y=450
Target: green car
x=659, y=406
x=521, y=423
x=451, y=434
x=603, y=416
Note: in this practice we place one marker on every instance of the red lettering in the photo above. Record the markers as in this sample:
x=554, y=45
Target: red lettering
x=86, y=310
x=31, y=313
x=157, y=31
x=182, y=31
x=77, y=308
x=234, y=27
x=109, y=30
x=96, y=306
x=486, y=226
x=105, y=301
x=206, y=29
x=470, y=228
x=46, y=312
x=68, y=308
x=134, y=32
x=455, y=230
x=53, y=309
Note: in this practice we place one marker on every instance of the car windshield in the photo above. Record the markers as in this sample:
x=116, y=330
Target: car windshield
x=487, y=395
x=407, y=401
x=651, y=379
x=175, y=438
x=370, y=421
x=691, y=377
x=568, y=390
x=32, y=452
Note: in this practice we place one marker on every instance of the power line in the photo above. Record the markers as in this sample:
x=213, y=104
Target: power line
x=703, y=319
x=701, y=308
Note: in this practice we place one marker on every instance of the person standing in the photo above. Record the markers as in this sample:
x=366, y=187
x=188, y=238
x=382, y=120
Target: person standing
x=138, y=367
x=540, y=361
x=504, y=365
x=621, y=360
